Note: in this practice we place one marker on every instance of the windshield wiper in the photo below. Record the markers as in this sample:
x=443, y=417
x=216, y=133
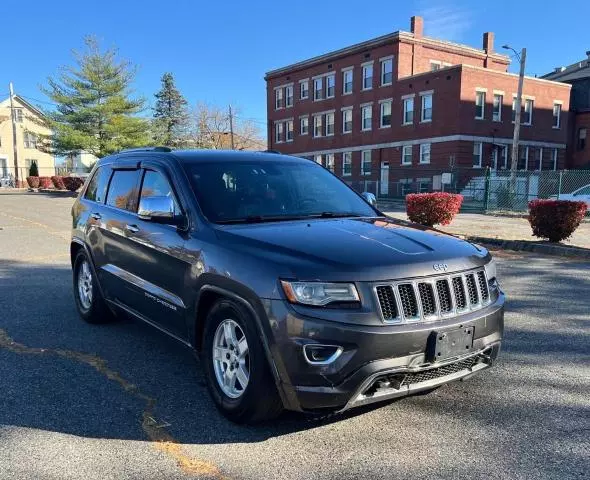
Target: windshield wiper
x=332, y=215
x=260, y=219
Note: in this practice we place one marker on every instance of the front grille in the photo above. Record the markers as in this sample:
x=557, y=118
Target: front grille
x=408, y=299
x=427, y=299
x=433, y=373
x=444, y=296
x=386, y=299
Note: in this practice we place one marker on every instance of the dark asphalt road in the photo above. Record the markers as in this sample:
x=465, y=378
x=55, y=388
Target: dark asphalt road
x=123, y=401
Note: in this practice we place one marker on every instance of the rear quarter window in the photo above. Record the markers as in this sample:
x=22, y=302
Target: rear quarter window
x=97, y=188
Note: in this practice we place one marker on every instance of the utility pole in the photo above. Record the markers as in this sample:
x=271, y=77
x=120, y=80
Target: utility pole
x=517, y=106
x=231, y=128
x=14, y=144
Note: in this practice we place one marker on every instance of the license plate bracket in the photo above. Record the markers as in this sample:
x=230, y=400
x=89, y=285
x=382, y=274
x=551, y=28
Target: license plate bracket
x=451, y=343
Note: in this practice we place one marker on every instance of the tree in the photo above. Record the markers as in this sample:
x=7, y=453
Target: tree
x=33, y=169
x=171, y=119
x=94, y=111
x=211, y=129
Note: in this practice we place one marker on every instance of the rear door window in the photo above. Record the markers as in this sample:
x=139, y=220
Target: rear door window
x=97, y=188
x=123, y=190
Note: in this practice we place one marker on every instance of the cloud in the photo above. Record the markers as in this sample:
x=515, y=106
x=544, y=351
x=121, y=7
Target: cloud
x=444, y=21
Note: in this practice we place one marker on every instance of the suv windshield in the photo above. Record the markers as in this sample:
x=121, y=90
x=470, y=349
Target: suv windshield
x=251, y=191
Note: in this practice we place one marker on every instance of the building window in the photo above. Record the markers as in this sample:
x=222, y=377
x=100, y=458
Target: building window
x=330, y=86
x=513, y=110
x=330, y=161
x=435, y=65
x=367, y=77
x=279, y=132
x=30, y=140
x=279, y=102
x=407, y=155
x=582, y=138
x=477, y=154
x=318, y=159
x=303, y=125
x=317, y=125
x=18, y=115
x=425, y=153
x=304, y=90
x=497, y=108
x=347, y=82
x=523, y=158
x=347, y=120
x=289, y=130
x=528, y=111
x=408, y=110
x=366, y=162
x=480, y=103
x=317, y=88
x=329, y=124
x=387, y=71
x=289, y=95
x=367, y=117
x=556, y=115
x=426, y=108
x=385, y=114
x=346, y=164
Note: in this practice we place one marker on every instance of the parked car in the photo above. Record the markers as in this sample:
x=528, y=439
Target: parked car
x=296, y=292
x=581, y=194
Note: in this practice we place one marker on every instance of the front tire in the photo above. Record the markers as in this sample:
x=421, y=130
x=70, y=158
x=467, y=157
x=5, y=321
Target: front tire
x=90, y=304
x=236, y=369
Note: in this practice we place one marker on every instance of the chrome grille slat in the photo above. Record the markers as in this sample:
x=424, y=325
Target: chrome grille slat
x=431, y=299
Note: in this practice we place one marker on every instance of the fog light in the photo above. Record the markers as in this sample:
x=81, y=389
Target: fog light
x=316, y=354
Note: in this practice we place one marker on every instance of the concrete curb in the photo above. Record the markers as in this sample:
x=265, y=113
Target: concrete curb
x=537, y=247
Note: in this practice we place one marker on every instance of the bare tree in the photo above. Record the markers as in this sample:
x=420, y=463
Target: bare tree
x=211, y=129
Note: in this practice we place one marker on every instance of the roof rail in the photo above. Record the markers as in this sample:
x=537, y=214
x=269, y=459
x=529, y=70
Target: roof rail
x=146, y=149
x=270, y=151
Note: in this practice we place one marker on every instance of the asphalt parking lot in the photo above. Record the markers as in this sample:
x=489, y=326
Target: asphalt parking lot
x=122, y=401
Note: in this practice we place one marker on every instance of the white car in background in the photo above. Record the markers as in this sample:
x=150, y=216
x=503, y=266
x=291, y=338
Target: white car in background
x=580, y=195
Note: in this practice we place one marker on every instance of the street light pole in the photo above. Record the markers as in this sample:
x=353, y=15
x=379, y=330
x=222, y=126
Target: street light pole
x=517, y=107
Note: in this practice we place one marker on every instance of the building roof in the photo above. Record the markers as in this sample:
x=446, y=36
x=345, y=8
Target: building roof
x=382, y=40
x=575, y=71
x=26, y=104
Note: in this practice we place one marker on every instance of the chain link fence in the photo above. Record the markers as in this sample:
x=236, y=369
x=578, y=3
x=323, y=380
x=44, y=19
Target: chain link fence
x=483, y=189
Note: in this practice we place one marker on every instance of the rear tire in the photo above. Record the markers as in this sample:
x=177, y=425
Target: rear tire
x=235, y=365
x=90, y=303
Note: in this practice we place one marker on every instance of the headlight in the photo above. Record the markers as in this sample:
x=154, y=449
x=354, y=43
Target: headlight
x=491, y=269
x=318, y=293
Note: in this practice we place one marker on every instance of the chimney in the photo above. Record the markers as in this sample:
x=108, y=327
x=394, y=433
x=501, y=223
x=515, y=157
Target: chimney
x=588, y=54
x=488, y=42
x=559, y=69
x=417, y=26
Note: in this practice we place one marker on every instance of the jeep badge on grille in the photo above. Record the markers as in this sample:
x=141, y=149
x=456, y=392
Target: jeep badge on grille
x=440, y=267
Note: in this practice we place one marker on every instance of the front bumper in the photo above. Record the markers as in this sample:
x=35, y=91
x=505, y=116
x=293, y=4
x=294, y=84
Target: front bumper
x=378, y=362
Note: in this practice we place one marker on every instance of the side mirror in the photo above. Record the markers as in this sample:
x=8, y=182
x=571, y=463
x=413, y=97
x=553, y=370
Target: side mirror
x=369, y=198
x=157, y=209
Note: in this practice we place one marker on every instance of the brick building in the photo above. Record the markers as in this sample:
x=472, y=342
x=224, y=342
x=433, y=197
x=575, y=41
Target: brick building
x=577, y=75
x=400, y=106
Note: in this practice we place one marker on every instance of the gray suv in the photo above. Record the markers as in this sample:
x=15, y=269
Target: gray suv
x=294, y=290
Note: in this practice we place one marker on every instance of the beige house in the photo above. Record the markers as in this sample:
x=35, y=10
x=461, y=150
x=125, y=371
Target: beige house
x=27, y=131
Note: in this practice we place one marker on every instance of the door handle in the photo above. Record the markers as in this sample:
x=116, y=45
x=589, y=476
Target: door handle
x=132, y=228
x=96, y=215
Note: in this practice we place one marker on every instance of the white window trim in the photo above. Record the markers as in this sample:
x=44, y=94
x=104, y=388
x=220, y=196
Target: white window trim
x=303, y=117
x=403, y=163
x=560, y=103
x=277, y=123
x=287, y=130
x=498, y=92
x=363, y=106
x=300, y=83
x=363, y=65
x=320, y=115
x=480, y=154
x=292, y=96
x=333, y=124
x=447, y=64
x=363, y=173
x=276, y=90
x=321, y=89
x=530, y=122
x=422, y=95
x=326, y=85
x=436, y=62
x=483, y=110
x=501, y=94
x=481, y=89
x=555, y=157
x=422, y=145
x=381, y=103
x=343, y=71
x=381, y=61
x=540, y=149
x=343, y=173
x=346, y=109
x=407, y=97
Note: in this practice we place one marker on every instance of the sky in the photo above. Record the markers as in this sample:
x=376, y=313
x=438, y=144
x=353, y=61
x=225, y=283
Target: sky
x=220, y=51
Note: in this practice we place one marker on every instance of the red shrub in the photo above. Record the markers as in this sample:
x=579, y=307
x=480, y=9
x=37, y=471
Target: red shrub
x=72, y=183
x=58, y=182
x=555, y=220
x=33, y=182
x=45, y=182
x=433, y=208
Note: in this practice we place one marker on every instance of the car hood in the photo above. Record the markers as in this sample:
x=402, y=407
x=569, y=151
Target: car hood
x=369, y=249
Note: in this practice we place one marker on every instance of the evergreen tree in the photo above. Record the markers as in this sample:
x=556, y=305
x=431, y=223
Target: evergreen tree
x=171, y=119
x=94, y=111
x=33, y=169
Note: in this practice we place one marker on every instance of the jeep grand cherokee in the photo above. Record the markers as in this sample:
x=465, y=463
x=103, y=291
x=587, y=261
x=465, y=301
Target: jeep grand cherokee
x=295, y=291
